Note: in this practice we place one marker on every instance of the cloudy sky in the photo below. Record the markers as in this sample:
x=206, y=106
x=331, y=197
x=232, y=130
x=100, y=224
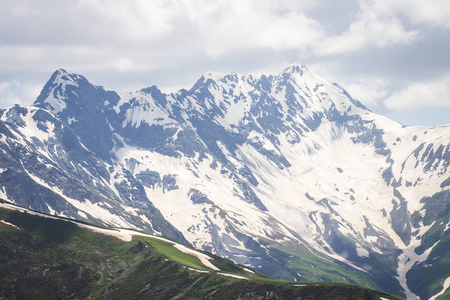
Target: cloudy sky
x=394, y=56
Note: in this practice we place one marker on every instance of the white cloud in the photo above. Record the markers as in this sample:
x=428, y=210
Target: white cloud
x=294, y=31
x=138, y=34
x=227, y=26
x=379, y=23
x=370, y=29
x=370, y=91
x=421, y=95
x=12, y=92
x=433, y=12
x=8, y=96
x=129, y=35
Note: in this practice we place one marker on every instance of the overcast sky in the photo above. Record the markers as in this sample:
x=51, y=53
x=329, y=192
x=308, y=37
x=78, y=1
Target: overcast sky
x=392, y=55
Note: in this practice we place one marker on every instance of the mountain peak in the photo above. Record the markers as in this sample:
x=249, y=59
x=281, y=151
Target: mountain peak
x=295, y=68
x=212, y=75
x=54, y=93
x=216, y=76
x=233, y=78
x=61, y=71
x=61, y=76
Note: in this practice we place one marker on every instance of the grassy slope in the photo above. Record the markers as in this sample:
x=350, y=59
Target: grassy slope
x=313, y=268
x=427, y=278
x=55, y=259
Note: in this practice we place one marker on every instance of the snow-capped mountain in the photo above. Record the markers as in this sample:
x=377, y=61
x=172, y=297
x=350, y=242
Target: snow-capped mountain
x=286, y=173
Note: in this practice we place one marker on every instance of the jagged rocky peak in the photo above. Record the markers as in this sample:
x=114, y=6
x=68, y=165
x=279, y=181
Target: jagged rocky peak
x=60, y=76
x=60, y=87
x=229, y=77
x=30, y=122
x=154, y=91
x=62, y=73
x=213, y=80
x=64, y=86
x=298, y=67
x=14, y=115
x=234, y=79
x=299, y=75
x=63, y=78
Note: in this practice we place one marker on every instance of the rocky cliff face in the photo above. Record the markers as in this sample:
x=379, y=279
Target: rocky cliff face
x=285, y=173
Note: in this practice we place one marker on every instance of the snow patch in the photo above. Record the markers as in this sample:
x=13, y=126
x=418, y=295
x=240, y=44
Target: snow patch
x=70, y=120
x=406, y=261
x=51, y=210
x=444, y=289
x=82, y=214
x=362, y=252
x=143, y=109
x=232, y=275
x=201, y=256
x=56, y=101
x=32, y=129
x=197, y=270
x=9, y=224
x=3, y=194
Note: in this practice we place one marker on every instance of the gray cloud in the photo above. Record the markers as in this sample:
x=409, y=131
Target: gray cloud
x=377, y=49
x=335, y=16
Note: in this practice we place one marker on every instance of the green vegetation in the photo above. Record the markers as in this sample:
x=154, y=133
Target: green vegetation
x=43, y=258
x=312, y=267
x=426, y=279
x=172, y=253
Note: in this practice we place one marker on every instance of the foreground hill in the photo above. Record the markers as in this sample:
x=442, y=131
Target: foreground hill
x=44, y=257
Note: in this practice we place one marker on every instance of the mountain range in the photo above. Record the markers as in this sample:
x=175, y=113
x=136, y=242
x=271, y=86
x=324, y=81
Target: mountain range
x=286, y=174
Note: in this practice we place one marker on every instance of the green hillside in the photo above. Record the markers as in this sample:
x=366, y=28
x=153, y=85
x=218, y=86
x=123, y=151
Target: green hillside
x=45, y=258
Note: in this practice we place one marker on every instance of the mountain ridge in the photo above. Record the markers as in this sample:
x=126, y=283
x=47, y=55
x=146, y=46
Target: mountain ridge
x=253, y=167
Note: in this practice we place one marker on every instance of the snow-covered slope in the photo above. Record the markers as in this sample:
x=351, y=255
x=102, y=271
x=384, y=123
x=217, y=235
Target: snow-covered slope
x=287, y=173
x=47, y=168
